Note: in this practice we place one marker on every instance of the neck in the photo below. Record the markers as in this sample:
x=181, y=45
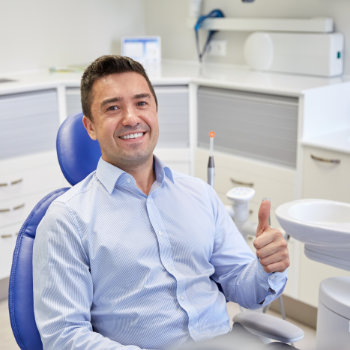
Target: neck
x=144, y=176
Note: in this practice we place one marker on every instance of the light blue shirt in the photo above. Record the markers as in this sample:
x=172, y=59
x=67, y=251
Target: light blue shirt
x=117, y=269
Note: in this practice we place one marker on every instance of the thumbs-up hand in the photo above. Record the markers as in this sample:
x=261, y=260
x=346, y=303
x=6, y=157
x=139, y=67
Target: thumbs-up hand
x=271, y=247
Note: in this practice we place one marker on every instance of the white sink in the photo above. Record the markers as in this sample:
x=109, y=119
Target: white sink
x=324, y=227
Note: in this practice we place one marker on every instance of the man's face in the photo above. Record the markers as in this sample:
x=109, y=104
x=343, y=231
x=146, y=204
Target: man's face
x=125, y=121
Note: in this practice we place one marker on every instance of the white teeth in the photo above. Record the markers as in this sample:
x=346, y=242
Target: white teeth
x=132, y=136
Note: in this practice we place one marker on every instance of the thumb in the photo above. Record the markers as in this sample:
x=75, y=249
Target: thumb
x=264, y=217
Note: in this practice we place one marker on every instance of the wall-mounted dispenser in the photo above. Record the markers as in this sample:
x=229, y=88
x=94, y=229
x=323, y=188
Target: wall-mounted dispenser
x=318, y=54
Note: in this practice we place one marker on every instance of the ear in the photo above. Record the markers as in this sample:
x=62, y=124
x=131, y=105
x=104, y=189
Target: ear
x=90, y=127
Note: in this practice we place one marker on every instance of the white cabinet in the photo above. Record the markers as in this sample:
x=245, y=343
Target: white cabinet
x=28, y=162
x=23, y=182
x=268, y=180
x=325, y=175
x=252, y=125
x=28, y=122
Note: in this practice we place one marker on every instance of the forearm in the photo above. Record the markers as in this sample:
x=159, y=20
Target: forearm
x=253, y=287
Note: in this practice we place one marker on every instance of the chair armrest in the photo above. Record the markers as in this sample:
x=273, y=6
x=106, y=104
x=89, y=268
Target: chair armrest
x=269, y=326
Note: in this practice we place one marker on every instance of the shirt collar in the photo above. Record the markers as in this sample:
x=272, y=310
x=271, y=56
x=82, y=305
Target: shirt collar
x=108, y=174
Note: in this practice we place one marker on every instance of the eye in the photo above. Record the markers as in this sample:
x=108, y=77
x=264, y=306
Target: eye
x=142, y=103
x=112, y=108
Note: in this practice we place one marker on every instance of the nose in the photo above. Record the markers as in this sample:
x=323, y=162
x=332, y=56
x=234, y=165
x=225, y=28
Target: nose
x=130, y=117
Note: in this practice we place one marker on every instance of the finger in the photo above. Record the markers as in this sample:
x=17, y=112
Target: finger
x=263, y=217
x=270, y=250
x=271, y=235
x=273, y=256
x=279, y=266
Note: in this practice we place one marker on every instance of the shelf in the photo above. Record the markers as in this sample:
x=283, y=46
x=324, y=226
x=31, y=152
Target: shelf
x=310, y=25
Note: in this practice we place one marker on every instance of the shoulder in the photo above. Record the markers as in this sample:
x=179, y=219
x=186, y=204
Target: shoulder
x=188, y=180
x=192, y=185
x=79, y=190
x=73, y=201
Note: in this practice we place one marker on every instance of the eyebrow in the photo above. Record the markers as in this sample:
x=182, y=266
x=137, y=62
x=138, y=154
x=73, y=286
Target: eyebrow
x=118, y=99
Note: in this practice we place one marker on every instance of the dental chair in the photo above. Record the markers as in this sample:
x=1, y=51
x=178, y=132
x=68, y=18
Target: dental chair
x=78, y=155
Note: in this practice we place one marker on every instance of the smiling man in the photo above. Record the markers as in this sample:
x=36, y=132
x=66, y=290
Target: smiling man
x=132, y=256
x=123, y=118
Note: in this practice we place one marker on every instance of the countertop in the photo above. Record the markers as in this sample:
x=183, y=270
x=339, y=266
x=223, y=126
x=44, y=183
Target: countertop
x=338, y=141
x=183, y=72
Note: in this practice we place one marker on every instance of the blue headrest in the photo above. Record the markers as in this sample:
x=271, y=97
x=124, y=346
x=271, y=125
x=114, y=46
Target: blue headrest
x=21, y=282
x=77, y=153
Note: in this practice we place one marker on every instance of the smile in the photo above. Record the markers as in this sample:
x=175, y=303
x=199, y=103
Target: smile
x=131, y=136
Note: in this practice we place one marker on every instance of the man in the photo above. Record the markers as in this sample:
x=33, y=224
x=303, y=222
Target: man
x=131, y=257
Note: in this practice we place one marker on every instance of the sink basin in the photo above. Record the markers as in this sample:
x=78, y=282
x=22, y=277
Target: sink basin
x=324, y=227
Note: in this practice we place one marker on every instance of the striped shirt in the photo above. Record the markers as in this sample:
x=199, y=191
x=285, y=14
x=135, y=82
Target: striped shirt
x=114, y=268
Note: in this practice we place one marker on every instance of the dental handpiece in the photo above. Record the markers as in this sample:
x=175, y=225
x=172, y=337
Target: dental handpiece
x=211, y=165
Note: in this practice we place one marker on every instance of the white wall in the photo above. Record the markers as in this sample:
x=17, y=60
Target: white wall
x=168, y=18
x=37, y=34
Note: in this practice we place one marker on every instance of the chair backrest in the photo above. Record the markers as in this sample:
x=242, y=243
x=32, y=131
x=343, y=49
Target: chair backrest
x=21, y=281
x=78, y=156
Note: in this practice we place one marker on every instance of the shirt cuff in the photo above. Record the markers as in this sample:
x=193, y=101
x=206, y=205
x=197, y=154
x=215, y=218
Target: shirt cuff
x=271, y=283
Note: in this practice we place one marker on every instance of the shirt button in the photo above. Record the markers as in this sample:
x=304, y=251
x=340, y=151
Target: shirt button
x=182, y=298
x=160, y=233
x=128, y=181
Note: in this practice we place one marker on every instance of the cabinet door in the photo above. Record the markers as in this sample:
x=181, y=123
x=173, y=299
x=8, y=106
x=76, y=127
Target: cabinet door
x=268, y=181
x=326, y=174
x=73, y=102
x=311, y=274
x=258, y=126
x=28, y=122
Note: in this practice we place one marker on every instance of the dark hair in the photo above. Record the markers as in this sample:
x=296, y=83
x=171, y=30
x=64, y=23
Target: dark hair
x=106, y=65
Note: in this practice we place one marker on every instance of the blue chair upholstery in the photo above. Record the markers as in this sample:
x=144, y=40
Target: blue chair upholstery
x=78, y=156
x=21, y=281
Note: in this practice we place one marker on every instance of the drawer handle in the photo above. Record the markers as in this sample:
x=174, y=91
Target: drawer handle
x=14, y=182
x=17, y=181
x=19, y=206
x=241, y=183
x=325, y=160
x=4, y=236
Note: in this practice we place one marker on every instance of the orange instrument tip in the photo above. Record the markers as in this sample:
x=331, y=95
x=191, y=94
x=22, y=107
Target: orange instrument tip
x=212, y=134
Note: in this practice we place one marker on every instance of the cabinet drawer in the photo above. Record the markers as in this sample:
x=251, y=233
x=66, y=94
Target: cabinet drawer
x=269, y=181
x=28, y=122
x=22, y=176
x=258, y=126
x=326, y=174
x=15, y=210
